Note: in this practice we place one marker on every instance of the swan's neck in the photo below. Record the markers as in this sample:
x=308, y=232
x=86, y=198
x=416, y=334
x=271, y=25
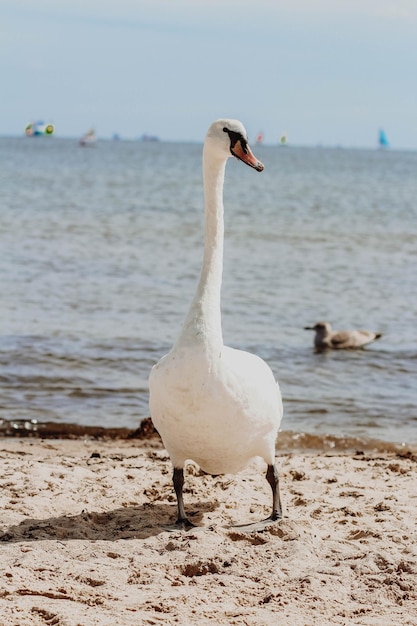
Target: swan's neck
x=203, y=323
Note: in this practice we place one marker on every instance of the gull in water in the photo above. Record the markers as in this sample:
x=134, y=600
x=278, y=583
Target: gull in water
x=217, y=406
x=340, y=339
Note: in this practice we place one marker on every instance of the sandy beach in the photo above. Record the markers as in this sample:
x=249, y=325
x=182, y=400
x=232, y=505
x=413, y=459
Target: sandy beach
x=83, y=541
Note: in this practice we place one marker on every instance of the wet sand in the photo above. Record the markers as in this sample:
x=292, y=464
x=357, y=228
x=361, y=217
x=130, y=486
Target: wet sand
x=83, y=542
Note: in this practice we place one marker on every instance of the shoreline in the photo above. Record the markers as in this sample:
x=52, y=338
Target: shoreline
x=83, y=538
x=287, y=442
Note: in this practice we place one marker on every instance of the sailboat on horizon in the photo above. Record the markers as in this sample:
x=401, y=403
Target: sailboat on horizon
x=382, y=139
x=283, y=140
x=89, y=138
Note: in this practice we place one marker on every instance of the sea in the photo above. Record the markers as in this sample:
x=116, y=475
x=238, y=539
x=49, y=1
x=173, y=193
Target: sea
x=100, y=254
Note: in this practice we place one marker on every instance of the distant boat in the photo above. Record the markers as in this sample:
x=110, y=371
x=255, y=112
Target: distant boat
x=35, y=129
x=89, y=139
x=382, y=139
x=283, y=139
x=259, y=138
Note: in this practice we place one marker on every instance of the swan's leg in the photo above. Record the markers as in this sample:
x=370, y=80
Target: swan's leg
x=178, y=480
x=272, y=478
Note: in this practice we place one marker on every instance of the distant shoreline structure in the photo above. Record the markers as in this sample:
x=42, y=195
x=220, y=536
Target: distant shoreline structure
x=146, y=137
x=34, y=129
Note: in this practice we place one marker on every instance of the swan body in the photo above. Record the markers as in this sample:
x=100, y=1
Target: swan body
x=228, y=415
x=325, y=337
x=213, y=404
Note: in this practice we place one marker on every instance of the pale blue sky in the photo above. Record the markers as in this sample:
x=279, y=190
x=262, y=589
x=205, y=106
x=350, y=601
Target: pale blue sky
x=324, y=71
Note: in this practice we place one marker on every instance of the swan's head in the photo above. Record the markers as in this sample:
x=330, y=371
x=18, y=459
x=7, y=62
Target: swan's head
x=228, y=138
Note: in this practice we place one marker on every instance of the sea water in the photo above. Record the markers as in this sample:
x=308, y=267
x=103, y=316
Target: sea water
x=100, y=253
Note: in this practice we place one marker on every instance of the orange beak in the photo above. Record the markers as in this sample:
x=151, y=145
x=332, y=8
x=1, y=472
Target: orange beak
x=246, y=155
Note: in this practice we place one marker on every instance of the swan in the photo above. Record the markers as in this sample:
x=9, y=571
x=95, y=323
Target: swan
x=340, y=339
x=212, y=404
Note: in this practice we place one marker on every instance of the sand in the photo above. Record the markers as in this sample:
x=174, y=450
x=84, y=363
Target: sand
x=83, y=541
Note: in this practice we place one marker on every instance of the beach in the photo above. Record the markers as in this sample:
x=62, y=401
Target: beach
x=83, y=541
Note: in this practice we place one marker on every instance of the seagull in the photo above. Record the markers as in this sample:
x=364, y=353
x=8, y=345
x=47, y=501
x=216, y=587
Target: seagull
x=340, y=339
x=212, y=404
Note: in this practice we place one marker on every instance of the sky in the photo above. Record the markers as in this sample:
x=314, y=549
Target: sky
x=324, y=72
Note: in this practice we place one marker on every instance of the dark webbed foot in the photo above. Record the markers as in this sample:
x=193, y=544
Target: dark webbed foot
x=181, y=524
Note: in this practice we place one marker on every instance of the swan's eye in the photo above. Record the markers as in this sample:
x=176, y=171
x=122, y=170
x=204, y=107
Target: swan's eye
x=236, y=137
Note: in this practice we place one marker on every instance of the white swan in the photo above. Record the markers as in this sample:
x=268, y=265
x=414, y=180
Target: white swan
x=212, y=404
x=325, y=337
